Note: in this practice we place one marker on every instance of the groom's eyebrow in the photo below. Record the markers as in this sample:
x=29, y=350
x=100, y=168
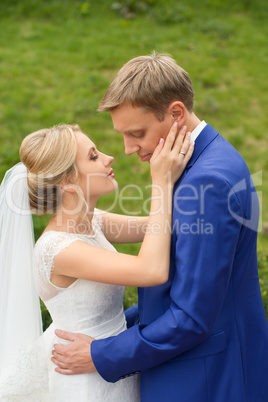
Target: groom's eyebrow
x=129, y=131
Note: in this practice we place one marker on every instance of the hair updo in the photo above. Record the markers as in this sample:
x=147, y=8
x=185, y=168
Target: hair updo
x=49, y=156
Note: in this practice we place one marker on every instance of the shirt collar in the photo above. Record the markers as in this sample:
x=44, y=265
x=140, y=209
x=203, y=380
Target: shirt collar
x=195, y=133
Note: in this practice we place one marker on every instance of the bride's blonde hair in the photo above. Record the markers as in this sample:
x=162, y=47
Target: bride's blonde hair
x=49, y=156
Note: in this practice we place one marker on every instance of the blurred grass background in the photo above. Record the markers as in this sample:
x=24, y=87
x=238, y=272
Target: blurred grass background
x=57, y=58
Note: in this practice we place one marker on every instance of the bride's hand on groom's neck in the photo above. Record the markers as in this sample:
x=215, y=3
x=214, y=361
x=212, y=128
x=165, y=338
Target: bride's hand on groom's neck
x=74, y=358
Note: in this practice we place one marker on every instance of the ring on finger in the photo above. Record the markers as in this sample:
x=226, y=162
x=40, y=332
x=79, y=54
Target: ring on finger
x=183, y=153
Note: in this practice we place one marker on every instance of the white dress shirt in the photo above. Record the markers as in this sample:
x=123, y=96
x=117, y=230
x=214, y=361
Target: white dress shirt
x=195, y=133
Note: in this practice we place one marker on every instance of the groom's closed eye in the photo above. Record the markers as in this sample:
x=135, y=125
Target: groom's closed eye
x=136, y=134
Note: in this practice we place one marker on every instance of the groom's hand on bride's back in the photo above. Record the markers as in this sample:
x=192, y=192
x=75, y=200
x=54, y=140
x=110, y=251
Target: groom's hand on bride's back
x=74, y=358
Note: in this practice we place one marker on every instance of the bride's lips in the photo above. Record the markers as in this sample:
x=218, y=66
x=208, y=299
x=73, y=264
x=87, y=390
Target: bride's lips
x=145, y=157
x=111, y=173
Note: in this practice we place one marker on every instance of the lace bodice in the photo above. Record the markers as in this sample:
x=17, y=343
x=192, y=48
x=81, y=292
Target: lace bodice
x=84, y=304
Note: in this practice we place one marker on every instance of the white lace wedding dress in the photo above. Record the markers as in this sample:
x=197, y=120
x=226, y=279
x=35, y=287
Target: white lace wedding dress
x=86, y=307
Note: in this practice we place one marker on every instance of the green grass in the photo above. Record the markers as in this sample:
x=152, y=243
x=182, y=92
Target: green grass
x=58, y=57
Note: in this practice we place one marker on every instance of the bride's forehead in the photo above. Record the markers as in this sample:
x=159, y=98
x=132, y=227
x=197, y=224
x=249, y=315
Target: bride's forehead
x=83, y=139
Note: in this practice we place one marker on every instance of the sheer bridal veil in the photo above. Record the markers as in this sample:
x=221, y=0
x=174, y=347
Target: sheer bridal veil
x=20, y=315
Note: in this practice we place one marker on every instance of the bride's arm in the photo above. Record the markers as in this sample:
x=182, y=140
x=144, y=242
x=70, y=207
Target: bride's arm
x=151, y=266
x=123, y=228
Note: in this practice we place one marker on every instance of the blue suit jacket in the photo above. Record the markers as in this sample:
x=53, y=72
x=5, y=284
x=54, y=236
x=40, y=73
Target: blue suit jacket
x=202, y=336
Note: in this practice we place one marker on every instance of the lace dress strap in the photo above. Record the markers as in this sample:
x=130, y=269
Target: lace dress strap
x=46, y=249
x=97, y=220
x=49, y=245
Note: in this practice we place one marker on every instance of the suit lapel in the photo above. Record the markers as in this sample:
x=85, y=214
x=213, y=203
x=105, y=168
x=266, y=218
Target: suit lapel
x=207, y=135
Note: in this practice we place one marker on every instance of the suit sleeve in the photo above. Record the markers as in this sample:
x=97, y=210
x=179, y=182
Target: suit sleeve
x=132, y=315
x=203, y=267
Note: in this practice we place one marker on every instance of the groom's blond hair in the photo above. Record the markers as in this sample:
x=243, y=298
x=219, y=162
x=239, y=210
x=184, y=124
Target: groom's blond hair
x=151, y=82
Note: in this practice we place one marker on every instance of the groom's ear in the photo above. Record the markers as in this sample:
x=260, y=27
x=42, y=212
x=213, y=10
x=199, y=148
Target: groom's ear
x=177, y=111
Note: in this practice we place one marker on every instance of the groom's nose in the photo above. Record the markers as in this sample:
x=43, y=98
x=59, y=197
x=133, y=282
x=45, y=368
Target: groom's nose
x=130, y=146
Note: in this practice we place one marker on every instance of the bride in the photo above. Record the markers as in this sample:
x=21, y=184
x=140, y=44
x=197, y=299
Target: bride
x=73, y=265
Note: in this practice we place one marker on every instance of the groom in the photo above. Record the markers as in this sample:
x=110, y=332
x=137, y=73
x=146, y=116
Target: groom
x=202, y=336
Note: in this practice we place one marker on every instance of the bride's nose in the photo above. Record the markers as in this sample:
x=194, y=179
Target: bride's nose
x=108, y=160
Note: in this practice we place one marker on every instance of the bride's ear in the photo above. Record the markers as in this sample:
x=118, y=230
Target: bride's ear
x=67, y=186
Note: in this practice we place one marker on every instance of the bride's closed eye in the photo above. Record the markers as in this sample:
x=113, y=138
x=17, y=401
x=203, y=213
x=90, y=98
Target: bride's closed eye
x=93, y=155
